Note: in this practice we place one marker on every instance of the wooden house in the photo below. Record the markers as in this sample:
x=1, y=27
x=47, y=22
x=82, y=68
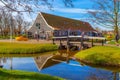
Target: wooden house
x=48, y=25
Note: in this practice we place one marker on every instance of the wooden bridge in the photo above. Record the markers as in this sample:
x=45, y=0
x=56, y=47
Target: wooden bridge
x=82, y=42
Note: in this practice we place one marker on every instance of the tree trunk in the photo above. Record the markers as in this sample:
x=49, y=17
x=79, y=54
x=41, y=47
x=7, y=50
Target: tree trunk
x=116, y=27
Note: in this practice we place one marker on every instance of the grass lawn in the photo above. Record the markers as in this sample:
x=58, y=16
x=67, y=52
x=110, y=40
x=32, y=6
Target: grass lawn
x=102, y=55
x=113, y=42
x=22, y=75
x=20, y=48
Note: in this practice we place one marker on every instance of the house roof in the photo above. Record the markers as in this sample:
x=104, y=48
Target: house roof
x=62, y=23
x=45, y=61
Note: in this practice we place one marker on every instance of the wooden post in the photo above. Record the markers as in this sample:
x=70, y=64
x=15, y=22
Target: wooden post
x=53, y=41
x=60, y=44
x=81, y=43
x=68, y=44
x=60, y=41
x=92, y=43
x=82, y=39
x=105, y=40
x=102, y=43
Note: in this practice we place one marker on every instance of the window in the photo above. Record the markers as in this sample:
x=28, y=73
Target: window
x=38, y=25
x=29, y=34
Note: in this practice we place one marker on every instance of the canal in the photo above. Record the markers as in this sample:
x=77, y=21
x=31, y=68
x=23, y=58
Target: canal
x=60, y=64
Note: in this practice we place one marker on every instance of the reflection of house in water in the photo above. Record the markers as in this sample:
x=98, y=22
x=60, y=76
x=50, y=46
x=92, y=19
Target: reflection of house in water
x=1, y=63
x=2, y=60
x=45, y=61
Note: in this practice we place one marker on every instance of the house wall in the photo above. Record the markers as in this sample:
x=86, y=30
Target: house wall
x=45, y=29
x=58, y=33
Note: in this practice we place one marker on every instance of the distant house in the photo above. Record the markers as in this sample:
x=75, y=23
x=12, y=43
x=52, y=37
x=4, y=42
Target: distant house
x=48, y=25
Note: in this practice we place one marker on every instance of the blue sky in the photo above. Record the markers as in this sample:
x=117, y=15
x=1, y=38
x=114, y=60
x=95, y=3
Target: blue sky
x=79, y=11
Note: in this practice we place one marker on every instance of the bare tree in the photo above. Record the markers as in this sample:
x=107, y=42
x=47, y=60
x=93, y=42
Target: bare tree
x=98, y=29
x=107, y=14
x=19, y=19
x=26, y=25
x=5, y=21
x=31, y=5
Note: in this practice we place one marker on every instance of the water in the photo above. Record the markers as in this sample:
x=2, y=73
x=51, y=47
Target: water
x=57, y=65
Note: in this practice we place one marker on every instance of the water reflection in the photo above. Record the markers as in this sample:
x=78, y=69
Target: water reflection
x=60, y=64
x=115, y=72
x=2, y=60
x=66, y=57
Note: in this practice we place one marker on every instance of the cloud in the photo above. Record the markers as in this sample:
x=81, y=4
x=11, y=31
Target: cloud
x=85, y=18
x=74, y=10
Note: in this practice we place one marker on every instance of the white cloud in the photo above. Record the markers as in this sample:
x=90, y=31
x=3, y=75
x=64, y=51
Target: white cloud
x=74, y=10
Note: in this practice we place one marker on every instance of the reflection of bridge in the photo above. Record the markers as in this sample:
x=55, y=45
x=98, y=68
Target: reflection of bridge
x=48, y=60
x=79, y=40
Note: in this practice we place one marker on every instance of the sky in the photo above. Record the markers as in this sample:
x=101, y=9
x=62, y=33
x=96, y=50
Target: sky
x=78, y=12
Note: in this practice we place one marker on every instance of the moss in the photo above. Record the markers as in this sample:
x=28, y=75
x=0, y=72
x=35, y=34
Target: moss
x=102, y=55
x=23, y=75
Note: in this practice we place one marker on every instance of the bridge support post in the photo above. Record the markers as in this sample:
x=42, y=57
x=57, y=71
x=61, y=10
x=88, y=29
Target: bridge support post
x=82, y=43
x=60, y=42
x=102, y=43
x=53, y=41
x=92, y=43
x=68, y=45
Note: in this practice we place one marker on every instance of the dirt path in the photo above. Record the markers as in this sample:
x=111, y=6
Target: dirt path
x=33, y=41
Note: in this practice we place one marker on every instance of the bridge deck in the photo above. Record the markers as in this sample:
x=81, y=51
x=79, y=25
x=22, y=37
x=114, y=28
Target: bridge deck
x=85, y=37
x=79, y=40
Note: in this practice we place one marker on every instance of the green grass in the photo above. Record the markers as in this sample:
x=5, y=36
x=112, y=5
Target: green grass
x=23, y=75
x=113, y=42
x=20, y=48
x=108, y=38
x=100, y=55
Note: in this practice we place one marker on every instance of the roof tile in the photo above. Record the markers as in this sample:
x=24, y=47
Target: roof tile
x=61, y=23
